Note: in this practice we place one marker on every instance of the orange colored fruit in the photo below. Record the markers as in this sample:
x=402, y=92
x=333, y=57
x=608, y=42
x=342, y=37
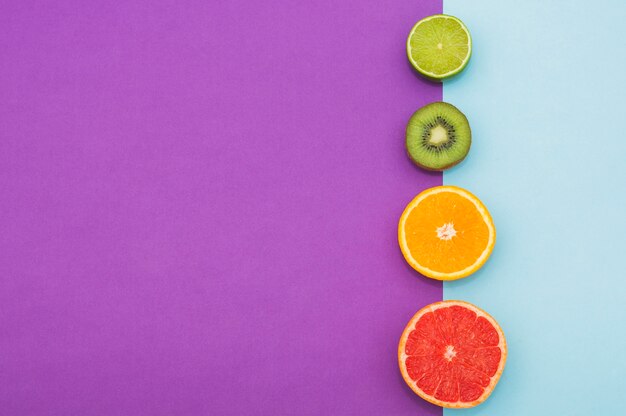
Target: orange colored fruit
x=452, y=354
x=446, y=233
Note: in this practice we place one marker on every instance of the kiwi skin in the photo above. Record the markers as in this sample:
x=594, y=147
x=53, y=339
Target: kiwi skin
x=454, y=163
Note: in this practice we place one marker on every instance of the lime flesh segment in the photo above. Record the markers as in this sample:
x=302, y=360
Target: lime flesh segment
x=439, y=46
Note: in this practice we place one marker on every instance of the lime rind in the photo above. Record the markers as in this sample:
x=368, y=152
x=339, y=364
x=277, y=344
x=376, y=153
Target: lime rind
x=467, y=42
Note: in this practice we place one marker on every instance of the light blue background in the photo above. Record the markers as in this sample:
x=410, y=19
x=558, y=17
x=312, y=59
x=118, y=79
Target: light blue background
x=544, y=93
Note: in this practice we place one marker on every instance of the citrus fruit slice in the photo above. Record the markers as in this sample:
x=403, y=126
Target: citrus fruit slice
x=452, y=354
x=446, y=233
x=439, y=46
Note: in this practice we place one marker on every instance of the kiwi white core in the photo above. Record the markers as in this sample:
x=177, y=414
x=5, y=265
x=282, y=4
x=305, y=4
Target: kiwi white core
x=438, y=135
x=446, y=231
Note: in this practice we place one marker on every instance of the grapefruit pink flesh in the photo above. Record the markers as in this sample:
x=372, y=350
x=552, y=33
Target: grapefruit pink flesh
x=452, y=353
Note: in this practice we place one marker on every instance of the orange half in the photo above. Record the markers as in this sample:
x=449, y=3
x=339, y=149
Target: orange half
x=446, y=233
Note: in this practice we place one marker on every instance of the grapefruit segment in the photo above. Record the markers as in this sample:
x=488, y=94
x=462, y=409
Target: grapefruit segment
x=452, y=354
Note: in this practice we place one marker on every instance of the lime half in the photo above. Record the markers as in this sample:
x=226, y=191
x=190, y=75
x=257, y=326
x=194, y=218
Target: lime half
x=439, y=46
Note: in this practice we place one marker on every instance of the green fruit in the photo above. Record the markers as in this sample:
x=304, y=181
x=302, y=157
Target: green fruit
x=438, y=136
x=439, y=46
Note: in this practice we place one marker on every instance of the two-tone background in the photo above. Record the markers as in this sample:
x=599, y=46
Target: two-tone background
x=198, y=204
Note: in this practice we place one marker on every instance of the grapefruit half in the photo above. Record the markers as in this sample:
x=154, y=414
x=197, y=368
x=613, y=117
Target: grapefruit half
x=452, y=354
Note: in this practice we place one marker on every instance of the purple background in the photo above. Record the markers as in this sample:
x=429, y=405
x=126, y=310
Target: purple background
x=199, y=205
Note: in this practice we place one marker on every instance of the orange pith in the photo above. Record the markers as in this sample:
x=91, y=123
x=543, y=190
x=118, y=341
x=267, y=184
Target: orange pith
x=446, y=233
x=452, y=354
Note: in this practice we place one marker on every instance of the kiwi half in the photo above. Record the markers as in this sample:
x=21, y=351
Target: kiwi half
x=438, y=136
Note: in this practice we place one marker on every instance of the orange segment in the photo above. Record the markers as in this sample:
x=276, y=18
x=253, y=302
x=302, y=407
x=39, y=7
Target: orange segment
x=446, y=233
x=452, y=354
